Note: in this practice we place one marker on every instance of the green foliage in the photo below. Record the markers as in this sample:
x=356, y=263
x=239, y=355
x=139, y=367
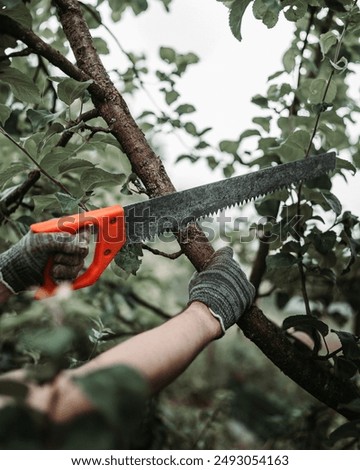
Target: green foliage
x=127, y=405
x=21, y=85
x=48, y=124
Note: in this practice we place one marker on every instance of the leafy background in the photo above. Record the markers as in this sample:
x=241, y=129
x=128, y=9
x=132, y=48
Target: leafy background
x=59, y=155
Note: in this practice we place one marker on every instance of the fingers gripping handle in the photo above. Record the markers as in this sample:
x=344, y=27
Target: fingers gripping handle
x=111, y=237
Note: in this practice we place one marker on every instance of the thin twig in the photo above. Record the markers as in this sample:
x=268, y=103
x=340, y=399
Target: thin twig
x=154, y=251
x=314, y=132
x=96, y=129
x=23, y=53
x=153, y=308
x=67, y=135
x=295, y=103
x=119, y=334
x=42, y=171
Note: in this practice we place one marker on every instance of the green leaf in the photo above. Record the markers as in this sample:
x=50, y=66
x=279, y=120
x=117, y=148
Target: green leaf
x=167, y=54
x=280, y=260
x=323, y=242
x=171, y=96
x=228, y=170
x=260, y=101
x=45, y=202
x=183, y=60
x=317, y=90
x=75, y=164
x=21, y=85
x=295, y=146
x=337, y=5
x=212, y=162
x=289, y=59
x=101, y=46
x=185, y=109
x=344, y=368
x=139, y=6
x=118, y=392
x=341, y=64
x=229, y=146
x=267, y=208
x=129, y=259
x=237, y=11
x=306, y=320
x=192, y=158
x=18, y=13
x=52, y=160
x=349, y=343
x=333, y=202
x=248, y=133
x=190, y=128
x=294, y=9
x=69, y=89
x=40, y=118
x=275, y=75
x=14, y=169
x=327, y=41
x=54, y=343
x=267, y=11
x=342, y=164
x=5, y=112
x=96, y=177
x=92, y=16
x=263, y=122
x=68, y=204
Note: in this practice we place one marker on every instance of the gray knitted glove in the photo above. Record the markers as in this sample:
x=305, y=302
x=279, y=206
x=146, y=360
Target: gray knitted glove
x=22, y=266
x=223, y=287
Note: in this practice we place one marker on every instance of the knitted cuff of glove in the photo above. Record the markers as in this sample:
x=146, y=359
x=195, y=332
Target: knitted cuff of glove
x=218, y=317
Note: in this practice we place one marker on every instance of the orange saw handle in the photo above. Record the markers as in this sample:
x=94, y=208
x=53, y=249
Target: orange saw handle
x=111, y=236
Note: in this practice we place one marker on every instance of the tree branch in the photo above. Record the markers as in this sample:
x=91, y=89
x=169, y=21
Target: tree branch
x=66, y=136
x=154, y=251
x=37, y=45
x=312, y=376
x=12, y=201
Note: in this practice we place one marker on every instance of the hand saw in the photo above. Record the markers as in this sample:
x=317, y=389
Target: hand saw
x=134, y=223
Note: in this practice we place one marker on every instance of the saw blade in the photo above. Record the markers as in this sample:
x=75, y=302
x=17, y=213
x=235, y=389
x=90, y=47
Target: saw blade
x=173, y=212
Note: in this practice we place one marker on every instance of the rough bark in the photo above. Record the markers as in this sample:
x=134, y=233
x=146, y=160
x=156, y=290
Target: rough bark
x=111, y=106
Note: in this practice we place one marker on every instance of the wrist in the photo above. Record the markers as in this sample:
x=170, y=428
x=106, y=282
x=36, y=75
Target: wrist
x=207, y=322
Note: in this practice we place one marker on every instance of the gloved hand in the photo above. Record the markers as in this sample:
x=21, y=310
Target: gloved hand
x=223, y=287
x=22, y=266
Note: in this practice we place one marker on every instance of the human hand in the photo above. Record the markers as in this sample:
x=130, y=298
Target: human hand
x=22, y=266
x=223, y=287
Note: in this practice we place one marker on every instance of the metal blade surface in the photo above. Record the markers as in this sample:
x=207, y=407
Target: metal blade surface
x=173, y=212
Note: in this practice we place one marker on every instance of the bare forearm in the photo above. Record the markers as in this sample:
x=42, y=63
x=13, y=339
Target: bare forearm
x=160, y=355
x=163, y=353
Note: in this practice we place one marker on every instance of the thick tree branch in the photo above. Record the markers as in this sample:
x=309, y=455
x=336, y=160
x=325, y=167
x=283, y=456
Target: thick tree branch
x=312, y=376
x=259, y=266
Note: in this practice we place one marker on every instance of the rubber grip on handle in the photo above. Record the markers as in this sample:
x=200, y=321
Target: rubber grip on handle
x=111, y=236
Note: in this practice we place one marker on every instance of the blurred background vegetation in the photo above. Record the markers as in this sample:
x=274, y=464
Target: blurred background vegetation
x=59, y=155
